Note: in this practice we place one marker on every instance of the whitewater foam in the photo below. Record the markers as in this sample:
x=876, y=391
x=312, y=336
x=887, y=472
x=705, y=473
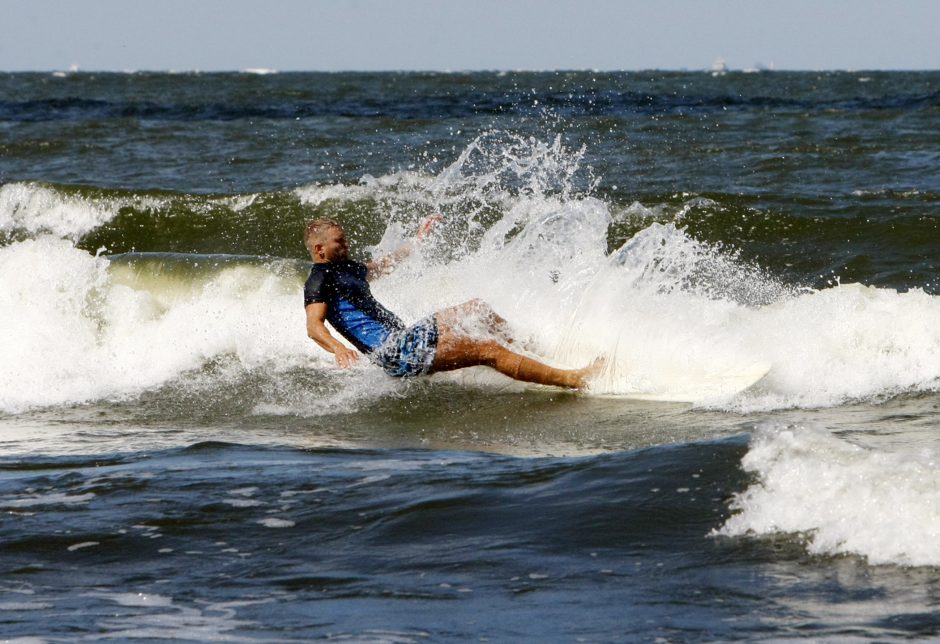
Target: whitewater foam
x=516, y=233
x=37, y=209
x=841, y=497
x=75, y=334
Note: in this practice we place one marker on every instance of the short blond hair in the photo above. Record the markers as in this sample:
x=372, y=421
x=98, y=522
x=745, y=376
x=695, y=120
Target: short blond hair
x=313, y=233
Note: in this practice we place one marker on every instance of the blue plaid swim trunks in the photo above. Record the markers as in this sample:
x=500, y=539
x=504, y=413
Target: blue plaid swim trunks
x=410, y=352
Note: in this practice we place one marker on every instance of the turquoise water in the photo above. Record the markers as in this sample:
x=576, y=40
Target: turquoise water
x=178, y=460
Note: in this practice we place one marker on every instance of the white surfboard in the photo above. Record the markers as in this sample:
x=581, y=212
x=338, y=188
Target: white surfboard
x=685, y=387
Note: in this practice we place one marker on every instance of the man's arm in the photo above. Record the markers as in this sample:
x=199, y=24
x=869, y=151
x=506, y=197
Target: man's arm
x=317, y=331
x=385, y=265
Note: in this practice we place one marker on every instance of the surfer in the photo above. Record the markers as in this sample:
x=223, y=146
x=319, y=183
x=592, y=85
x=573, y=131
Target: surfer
x=338, y=292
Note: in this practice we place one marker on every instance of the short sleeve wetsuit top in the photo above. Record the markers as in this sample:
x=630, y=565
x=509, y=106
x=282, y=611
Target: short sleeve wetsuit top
x=351, y=308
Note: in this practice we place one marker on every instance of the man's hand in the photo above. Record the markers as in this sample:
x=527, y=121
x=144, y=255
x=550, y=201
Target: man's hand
x=385, y=265
x=428, y=225
x=345, y=357
x=317, y=331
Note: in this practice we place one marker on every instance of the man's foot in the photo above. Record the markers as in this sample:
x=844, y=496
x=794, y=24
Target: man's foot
x=585, y=375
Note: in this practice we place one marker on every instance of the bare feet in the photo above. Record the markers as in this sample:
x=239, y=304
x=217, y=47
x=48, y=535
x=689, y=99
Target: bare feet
x=585, y=375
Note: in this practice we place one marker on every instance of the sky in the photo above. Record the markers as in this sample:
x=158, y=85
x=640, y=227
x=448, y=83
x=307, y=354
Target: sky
x=447, y=35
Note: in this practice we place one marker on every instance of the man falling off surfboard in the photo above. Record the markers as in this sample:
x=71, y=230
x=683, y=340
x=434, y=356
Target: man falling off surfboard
x=338, y=292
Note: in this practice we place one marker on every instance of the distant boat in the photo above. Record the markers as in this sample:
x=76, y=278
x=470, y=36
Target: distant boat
x=719, y=68
x=760, y=67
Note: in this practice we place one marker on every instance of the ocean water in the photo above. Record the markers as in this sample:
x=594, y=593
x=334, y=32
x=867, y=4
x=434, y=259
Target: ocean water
x=179, y=462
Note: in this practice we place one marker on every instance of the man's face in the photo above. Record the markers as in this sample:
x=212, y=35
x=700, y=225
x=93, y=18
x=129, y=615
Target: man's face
x=332, y=247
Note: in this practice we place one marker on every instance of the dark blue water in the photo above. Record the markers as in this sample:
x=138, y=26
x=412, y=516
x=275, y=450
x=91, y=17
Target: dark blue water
x=237, y=542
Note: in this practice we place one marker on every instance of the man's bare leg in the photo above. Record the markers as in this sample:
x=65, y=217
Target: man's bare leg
x=458, y=351
x=475, y=314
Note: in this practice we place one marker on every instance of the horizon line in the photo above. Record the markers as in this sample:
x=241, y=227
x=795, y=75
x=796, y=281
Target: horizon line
x=262, y=71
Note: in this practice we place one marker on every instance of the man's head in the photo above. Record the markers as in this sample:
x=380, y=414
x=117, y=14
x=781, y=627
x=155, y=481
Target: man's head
x=326, y=241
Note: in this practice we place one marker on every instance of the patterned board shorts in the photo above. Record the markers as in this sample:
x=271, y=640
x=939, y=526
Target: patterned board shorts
x=410, y=352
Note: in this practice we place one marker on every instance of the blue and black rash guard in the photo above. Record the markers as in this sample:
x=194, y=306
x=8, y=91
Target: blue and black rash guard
x=350, y=307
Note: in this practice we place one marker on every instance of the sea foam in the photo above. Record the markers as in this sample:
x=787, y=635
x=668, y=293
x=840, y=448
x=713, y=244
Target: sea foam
x=77, y=329
x=36, y=209
x=522, y=230
x=843, y=498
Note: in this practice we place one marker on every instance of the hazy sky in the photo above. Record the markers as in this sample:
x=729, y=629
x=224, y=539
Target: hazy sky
x=471, y=34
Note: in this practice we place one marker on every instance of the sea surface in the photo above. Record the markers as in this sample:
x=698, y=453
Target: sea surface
x=179, y=462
